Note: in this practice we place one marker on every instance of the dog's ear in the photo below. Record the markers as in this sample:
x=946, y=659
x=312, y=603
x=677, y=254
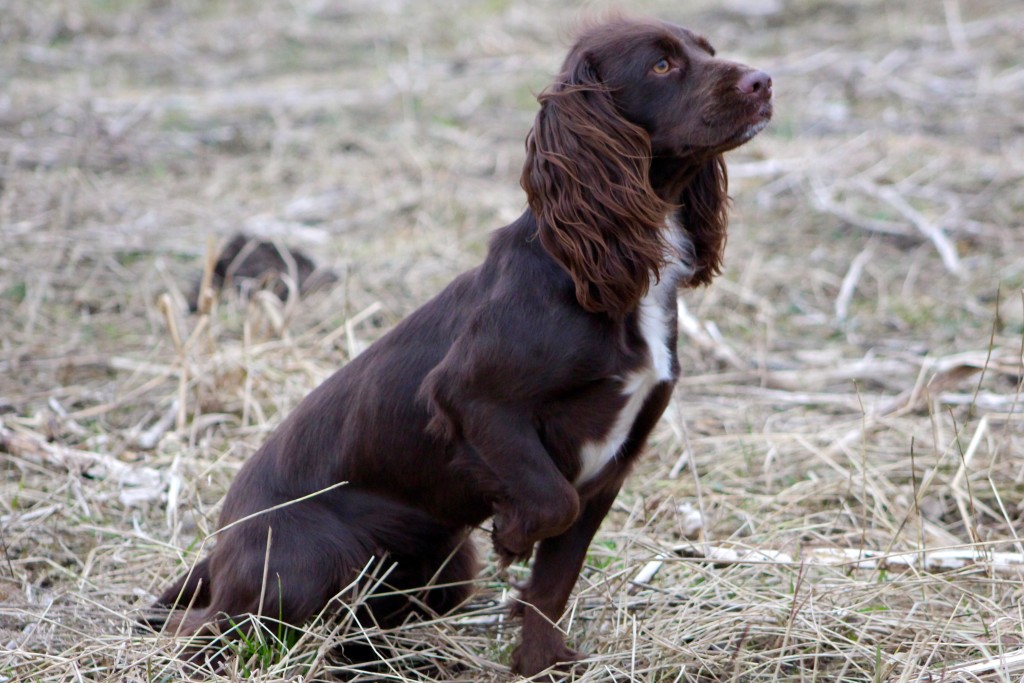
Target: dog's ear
x=703, y=214
x=586, y=181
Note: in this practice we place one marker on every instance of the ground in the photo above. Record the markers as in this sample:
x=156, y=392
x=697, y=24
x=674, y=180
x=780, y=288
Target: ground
x=851, y=382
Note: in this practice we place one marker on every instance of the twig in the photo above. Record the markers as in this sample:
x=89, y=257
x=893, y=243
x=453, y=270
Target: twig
x=850, y=283
x=37, y=450
x=148, y=439
x=955, y=27
x=823, y=200
x=692, y=328
x=649, y=570
x=1005, y=664
x=936, y=560
x=206, y=297
x=947, y=252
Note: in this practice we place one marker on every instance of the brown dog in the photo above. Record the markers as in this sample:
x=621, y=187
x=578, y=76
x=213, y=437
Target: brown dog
x=525, y=389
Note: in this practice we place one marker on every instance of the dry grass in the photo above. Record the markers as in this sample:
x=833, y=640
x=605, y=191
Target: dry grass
x=852, y=382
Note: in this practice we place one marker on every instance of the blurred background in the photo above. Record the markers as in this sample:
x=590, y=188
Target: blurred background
x=851, y=382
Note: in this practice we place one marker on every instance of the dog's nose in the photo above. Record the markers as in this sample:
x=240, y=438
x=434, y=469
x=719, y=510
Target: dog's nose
x=756, y=83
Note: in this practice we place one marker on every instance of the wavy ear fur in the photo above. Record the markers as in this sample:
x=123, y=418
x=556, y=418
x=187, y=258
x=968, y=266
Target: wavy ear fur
x=586, y=180
x=703, y=213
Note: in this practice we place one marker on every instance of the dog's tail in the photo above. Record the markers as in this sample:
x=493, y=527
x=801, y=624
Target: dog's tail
x=190, y=590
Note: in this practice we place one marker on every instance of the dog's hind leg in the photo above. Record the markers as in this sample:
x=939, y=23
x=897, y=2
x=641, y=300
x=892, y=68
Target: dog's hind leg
x=452, y=583
x=323, y=555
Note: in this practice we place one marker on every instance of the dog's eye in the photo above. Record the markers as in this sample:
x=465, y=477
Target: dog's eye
x=661, y=67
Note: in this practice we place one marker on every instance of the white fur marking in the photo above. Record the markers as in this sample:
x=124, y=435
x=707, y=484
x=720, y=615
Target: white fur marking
x=653, y=319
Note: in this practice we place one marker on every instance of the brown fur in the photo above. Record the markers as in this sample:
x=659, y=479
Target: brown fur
x=586, y=181
x=480, y=403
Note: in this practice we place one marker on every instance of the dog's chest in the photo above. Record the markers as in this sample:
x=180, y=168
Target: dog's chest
x=655, y=320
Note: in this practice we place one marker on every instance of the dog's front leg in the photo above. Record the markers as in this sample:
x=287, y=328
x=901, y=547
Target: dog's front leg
x=532, y=499
x=555, y=570
x=536, y=502
x=502, y=453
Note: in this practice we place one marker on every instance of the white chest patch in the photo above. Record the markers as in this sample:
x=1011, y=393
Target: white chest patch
x=654, y=320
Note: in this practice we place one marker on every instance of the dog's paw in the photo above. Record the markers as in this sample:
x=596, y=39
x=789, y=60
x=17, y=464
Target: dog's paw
x=529, y=660
x=511, y=543
x=510, y=555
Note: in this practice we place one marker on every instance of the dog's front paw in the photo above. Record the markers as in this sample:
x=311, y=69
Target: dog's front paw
x=510, y=543
x=530, y=659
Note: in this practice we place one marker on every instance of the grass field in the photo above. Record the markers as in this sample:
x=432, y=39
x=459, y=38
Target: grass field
x=852, y=383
